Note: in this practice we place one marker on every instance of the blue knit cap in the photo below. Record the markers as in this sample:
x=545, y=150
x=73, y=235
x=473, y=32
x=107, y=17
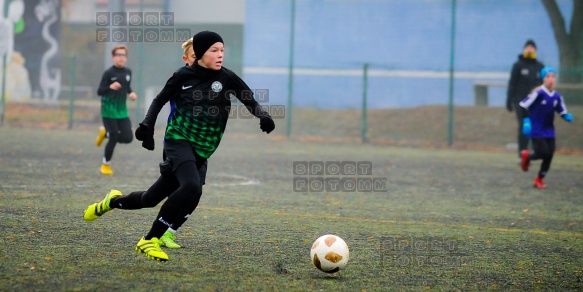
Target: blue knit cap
x=544, y=71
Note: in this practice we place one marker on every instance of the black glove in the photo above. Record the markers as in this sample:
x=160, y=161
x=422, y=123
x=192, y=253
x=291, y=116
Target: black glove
x=266, y=124
x=145, y=134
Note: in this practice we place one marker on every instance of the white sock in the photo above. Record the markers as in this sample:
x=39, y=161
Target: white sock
x=105, y=161
x=171, y=230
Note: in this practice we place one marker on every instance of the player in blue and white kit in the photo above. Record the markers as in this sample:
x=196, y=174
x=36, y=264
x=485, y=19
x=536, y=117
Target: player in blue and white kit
x=542, y=104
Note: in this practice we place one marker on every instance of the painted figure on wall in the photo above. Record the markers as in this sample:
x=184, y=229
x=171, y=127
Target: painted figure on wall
x=33, y=66
x=17, y=84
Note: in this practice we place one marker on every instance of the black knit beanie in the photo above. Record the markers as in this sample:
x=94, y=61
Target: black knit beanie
x=203, y=40
x=530, y=43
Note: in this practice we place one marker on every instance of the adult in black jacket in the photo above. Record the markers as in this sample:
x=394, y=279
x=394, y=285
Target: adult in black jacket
x=524, y=78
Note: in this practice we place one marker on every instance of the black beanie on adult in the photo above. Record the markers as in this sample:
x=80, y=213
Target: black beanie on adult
x=530, y=43
x=203, y=40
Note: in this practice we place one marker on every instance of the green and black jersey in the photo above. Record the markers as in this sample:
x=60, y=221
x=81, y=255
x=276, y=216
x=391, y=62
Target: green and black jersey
x=200, y=101
x=113, y=102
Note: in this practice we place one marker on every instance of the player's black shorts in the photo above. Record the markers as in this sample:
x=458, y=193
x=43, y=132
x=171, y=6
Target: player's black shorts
x=179, y=151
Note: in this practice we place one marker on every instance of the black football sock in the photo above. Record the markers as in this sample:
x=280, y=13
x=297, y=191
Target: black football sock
x=157, y=230
x=132, y=201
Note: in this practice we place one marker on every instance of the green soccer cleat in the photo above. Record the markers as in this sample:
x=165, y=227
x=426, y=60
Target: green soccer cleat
x=168, y=239
x=151, y=248
x=95, y=211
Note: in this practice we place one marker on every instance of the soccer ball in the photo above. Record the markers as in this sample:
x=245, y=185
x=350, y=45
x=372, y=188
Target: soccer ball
x=329, y=253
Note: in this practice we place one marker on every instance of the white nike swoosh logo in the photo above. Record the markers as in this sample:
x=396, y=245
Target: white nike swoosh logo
x=186, y=87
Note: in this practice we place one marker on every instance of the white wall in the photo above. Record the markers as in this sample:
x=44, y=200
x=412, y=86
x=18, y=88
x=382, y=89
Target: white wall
x=78, y=11
x=185, y=11
x=208, y=11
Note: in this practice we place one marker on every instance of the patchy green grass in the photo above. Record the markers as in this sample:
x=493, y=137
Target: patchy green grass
x=449, y=220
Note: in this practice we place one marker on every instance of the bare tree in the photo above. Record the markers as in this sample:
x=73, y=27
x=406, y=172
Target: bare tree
x=570, y=43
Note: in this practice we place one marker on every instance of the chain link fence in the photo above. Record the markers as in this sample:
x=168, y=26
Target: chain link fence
x=376, y=71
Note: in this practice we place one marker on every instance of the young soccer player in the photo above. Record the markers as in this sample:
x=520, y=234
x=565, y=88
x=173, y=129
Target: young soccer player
x=538, y=125
x=168, y=239
x=188, y=57
x=201, y=97
x=114, y=89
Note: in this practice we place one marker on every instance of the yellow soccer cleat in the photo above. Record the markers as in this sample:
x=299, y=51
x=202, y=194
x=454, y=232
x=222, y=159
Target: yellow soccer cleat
x=106, y=169
x=101, y=135
x=151, y=248
x=95, y=211
x=168, y=239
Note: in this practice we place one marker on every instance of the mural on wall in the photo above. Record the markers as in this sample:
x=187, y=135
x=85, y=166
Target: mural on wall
x=33, y=63
x=48, y=15
x=17, y=84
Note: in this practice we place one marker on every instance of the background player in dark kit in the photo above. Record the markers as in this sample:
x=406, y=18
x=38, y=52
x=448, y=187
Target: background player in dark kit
x=114, y=89
x=201, y=97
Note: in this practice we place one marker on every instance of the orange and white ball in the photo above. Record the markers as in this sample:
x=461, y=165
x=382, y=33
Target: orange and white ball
x=329, y=253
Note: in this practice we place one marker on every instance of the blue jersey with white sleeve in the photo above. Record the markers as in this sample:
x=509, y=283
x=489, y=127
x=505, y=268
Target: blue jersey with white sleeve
x=542, y=105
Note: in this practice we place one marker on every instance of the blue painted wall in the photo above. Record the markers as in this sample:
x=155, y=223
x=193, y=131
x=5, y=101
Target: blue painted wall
x=391, y=35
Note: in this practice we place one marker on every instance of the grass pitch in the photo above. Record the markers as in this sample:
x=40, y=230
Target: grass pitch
x=449, y=220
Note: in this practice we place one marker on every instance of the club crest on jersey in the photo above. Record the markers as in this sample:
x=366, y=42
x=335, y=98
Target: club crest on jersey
x=217, y=86
x=128, y=78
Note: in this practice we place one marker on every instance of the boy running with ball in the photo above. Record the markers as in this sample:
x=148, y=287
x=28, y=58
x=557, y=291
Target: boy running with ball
x=201, y=99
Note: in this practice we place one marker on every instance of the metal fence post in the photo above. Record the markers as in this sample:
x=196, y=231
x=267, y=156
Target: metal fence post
x=451, y=76
x=72, y=90
x=139, y=111
x=364, y=103
x=290, y=69
x=3, y=105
